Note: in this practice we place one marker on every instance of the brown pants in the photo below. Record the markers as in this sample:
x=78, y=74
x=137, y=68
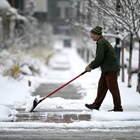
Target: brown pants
x=108, y=81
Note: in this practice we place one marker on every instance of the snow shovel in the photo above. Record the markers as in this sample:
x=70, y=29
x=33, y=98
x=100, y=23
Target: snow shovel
x=36, y=102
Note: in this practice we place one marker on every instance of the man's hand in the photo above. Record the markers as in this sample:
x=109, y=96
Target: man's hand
x=88, y=69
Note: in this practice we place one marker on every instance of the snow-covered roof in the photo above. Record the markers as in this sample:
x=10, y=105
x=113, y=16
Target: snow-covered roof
x=4, y=5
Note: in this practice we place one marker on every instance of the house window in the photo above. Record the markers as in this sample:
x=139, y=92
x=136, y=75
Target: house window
x=63, y=6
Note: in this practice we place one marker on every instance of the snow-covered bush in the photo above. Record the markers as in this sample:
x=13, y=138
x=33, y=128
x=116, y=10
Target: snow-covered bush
x=13, y=72
x=18, y=64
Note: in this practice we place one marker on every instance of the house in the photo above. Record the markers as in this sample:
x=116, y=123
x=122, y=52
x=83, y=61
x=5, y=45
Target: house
x=41, y=10
x=55, y=12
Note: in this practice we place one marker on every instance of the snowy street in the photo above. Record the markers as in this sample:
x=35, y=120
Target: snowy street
x=70, y=134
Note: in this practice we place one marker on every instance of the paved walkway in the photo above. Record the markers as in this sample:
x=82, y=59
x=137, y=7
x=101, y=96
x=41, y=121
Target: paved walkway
x=68, y=92
x=55, y=115
x=57, y=76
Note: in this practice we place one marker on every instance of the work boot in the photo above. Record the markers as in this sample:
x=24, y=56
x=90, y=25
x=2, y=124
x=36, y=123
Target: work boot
x=91, y=107
x=116, y=110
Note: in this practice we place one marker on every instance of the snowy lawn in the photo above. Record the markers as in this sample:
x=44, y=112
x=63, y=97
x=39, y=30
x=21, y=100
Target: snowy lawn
x=18, y=94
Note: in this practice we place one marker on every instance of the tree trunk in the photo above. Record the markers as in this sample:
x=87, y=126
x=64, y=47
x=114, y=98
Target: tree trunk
x=138, y=86
x=89, y=12
x=123, y=73
x=130, y=61
x=6, y=29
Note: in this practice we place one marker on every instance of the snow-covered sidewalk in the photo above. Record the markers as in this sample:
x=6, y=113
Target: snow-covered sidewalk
x=18, y=94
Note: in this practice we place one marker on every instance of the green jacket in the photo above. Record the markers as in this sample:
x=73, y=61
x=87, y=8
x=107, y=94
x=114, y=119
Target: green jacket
x=105, y=57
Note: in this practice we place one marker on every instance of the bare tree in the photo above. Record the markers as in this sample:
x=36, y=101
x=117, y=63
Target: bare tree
x=128, y=19
x=96, y=16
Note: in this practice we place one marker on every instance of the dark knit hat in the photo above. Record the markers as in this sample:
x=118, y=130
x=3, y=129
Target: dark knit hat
x=97, y=30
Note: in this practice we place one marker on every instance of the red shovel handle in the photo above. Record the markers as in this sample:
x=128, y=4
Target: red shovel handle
x=62, y=86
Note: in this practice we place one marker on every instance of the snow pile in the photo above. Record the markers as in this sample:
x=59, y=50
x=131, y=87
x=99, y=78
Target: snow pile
x=117, y=116
x=17, y=92
x=7, y=114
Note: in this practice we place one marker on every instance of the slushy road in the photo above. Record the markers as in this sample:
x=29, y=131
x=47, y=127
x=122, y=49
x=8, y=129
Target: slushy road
x=70, y=134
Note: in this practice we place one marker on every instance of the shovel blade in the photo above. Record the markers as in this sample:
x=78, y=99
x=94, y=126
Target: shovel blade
x=35, y=103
